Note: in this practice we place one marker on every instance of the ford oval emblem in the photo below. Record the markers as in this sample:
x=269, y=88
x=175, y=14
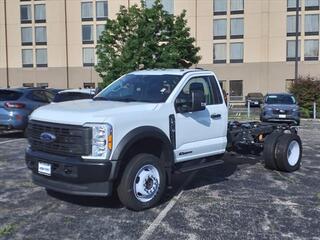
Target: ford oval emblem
x=47, y=137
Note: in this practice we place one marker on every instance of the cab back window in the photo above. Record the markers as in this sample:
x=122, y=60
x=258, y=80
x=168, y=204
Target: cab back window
x=9, y=95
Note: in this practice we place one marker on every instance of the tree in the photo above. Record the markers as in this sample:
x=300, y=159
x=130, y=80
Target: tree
x=306, y=90
x=144, y=38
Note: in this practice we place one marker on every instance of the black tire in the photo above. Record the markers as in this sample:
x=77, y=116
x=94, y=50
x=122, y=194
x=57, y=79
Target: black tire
x=269, y=150
x=126, y=191
x=289, y=160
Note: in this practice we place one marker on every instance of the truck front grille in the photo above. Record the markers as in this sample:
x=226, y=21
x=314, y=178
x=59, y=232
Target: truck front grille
x=69, y=140
x=281, y=111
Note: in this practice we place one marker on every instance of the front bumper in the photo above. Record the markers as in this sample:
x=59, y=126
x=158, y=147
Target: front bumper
x=276, y=118
x=72, y=175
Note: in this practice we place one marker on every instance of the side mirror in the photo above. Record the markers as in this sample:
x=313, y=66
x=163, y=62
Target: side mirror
x=198, y=101
x=193, y=102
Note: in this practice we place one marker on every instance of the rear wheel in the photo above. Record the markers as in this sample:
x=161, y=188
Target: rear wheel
x=288, y=152
x=143, y=182
x=269, y=150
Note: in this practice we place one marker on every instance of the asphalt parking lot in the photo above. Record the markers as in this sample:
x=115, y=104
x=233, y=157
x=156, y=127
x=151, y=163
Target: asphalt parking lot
x=238, y=199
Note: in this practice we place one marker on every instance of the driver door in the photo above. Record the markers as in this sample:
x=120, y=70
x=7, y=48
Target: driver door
x=201, y=133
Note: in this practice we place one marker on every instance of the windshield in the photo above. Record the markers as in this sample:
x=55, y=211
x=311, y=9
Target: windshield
x=280, y=99
x=8, y=95
x=140, y=88
x=70, y=96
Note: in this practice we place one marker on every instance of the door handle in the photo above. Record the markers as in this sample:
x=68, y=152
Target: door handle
x=215, y=116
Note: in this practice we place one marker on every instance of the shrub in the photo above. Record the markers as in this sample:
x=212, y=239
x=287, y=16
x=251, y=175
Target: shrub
x=307, y=90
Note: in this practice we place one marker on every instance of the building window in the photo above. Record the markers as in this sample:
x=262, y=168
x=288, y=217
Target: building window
x=86, y=11
x=27, y=84
x=167, y=5
x=87, y=34
x=89, y=85
x=27, y=58
x=236, y=90
x=41, y=35
x=291, y=50
x=88, y=57
x=236, y=52
x=26, y=36
x=40, y=13
x=220, y=7
x=43, y=85
x=237, y=7
x=236, y=29
x=41, y=57
x=99, y=30
x=219, y=53
x=312, y=4
x=291, y=25
x=102, y=10
x=311, y=50
x=291, y=5
x=25, y=13
x=311, y=24
x=220, y=29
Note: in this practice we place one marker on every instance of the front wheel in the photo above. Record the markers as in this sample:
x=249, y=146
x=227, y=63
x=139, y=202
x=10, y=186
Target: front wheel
x=143, y=182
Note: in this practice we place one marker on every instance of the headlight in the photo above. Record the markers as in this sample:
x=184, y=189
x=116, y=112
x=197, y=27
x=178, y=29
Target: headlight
x=295, y=110
x=101, y=141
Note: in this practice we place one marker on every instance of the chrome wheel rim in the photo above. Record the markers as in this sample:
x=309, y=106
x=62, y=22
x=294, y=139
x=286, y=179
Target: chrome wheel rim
x=293, y=153
x=146, y=183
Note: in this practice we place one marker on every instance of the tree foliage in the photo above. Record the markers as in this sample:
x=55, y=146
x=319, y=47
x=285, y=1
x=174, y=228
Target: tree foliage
x=143, y=37
x=306, y=90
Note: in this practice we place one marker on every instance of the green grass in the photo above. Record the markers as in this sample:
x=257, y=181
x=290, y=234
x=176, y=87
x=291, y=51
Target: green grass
x=7, y=229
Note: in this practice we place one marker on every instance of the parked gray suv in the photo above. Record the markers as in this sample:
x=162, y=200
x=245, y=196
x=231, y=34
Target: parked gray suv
x=280, y=107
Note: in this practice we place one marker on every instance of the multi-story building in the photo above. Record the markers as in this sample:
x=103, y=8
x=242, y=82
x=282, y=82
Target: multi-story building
x=250, y=44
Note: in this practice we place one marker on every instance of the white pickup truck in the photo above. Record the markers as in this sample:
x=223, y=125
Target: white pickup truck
x=141, y=129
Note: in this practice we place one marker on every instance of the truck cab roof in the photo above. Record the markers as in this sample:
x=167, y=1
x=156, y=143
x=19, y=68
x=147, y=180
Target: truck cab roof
x=178, y=72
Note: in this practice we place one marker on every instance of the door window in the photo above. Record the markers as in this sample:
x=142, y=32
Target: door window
x=217, y=98
x=203, y=83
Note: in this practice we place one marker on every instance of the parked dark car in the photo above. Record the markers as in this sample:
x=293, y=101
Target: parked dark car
x=16, y=105
x=73, y=94
x=280, y=107
x=256, y=99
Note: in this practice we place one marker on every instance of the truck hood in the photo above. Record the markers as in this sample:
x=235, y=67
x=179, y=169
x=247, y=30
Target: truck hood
x=85, y=111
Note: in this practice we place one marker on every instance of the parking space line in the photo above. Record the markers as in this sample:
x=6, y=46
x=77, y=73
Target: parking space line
x=14, y=140
x=149, y=231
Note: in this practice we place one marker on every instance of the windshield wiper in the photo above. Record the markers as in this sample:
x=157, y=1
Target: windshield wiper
x=116, y=99
x=126, y=99
x=101, y=98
